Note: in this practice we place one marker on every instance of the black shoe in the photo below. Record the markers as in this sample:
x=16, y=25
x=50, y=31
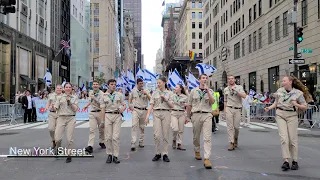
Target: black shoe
x=102, y=145
x=68, y=160
x=294, y=165
x=285, y=166
x=115, y=160
x=109, y=160
x=133, y=149
x=166, y=158
x=89, y=149
x=156, y=157
x=141, y=146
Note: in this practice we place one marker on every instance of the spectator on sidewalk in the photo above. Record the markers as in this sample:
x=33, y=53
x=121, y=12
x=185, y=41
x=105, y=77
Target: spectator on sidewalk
x=34, y=110
x=2, y=98
x=27, y=106
x=246, y=108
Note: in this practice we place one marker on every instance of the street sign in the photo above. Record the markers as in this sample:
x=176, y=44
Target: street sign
x=296, y=61
x=305, y=51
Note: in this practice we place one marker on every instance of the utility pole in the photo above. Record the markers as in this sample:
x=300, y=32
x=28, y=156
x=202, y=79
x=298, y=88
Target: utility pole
x=295, y=45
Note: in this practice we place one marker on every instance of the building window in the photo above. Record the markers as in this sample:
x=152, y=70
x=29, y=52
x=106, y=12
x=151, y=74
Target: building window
x=214, y=64
x=237, y=80
x=227, y=35
x=193, y=25
x=242, y=21
x=243, y=48
x=270, y=3
x=23, y=24
x=250, y=15
x=41, y=8
x=96, y=12
x=285, y=24
x=193, y=45
x=255, y=12
x=304, y=12
x=74, y=10
x=318, y=9
x=200, y=4
x=193, y=15
x=40, y=35
x=200, y=45
x=193, y=35
x=200, y=15
x=273, y=79
x=231, y=10
x=200, y=25
x=260, y=38
x=277, y=28
x=96, y=22
x=250, y=43
x=193, y=4
x=260, y=7
x=252, y=81
x=270, y=32
x=237, y=51
x=231, y=31
x=200, y=35
x=254, y=41
x=226, y=15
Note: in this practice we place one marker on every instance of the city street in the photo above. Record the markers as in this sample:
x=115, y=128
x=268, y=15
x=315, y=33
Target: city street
x=258, y=156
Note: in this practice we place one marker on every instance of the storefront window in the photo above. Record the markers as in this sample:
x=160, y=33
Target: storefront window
x=237, y=80
x=252, y=81
x=273, y=79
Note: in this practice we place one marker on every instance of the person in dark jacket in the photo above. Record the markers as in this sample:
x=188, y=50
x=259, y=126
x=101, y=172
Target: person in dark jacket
x=27, y=106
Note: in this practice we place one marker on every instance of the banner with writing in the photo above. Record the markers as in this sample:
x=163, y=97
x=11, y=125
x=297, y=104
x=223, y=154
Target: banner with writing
x=81, y=114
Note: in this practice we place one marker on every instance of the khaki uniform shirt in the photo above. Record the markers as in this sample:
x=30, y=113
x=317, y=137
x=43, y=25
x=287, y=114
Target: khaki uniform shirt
x=62, y=106
x=139, y=100
x=179, y=101
x=199, y=100
x=158, y=102
x=232, y=98
x=52, y=99
x=94, y=98
x=284, y=98
x=112, y=102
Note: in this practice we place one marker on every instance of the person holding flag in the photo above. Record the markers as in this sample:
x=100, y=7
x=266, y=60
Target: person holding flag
x=200, y=105
x=94, y=117
x=138, y=103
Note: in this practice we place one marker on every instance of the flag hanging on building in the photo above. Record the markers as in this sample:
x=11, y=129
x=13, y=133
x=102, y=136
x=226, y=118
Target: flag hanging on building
x=65, y=44
x=48, y=78
x=192, y=55
x=163, y=3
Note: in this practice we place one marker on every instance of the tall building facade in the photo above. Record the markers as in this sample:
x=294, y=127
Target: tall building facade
x=24, y=47
x=158, y=67
x=252, y=40
x=60, y=30
x=79, y=42
x=128, y=56
x=134, y=6
x=189, y=30
x=103, y=35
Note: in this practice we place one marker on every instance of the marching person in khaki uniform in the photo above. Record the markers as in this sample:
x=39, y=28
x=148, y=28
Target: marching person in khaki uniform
x=52, y=115
x=199, y=104
x=67, y=106
x=161, y=105
x=138, y=103
x=112, y=106
x=290, y=99
x=95, y=117
x=178, y=116
x=233, y=95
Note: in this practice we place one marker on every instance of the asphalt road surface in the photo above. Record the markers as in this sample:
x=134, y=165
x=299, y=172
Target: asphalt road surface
x=258, y=157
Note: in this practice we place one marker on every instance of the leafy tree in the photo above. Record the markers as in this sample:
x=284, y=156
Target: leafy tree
x=100, y=78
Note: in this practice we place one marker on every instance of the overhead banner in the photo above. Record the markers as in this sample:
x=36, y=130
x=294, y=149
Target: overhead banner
x=81, y=114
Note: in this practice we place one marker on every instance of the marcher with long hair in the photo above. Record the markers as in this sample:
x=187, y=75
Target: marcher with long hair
x=291, y=98
x=66, y=105
x=161, y=104
x=179, y=99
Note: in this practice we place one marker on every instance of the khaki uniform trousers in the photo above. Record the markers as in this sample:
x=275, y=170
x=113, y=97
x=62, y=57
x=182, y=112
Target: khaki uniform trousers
x=112, y=133
x=161, y=125
x=52, y=123
x=233, y=118
x=202, y=122
x=63, y=123
x=177, y=121
x=138, y=117
x=94, y=122
x=288, y=132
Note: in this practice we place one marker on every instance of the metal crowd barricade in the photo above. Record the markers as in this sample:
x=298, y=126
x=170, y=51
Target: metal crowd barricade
x=10, y=112
x=257, y=112
x=311, y=115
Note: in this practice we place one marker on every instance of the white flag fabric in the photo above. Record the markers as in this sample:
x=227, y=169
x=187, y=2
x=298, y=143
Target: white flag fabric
x=83, y=87
x=140, y=74
x=64, y=83
x=151, y=78
x=175, y=79
x=205, y=69
x=192, y=81
x=48, y=78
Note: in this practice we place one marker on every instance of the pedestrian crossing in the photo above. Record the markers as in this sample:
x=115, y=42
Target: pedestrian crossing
x=85, y=124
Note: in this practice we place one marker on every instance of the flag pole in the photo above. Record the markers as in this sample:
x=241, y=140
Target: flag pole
x=60, y=51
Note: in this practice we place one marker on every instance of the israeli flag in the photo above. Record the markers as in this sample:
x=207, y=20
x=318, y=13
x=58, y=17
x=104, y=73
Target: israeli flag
x=175, y=79
x=157, y=76
x=252, y=93
x=131, y=77
x=83, y=87
x=205, y=69
x=48, y=78
x=104, y=86
x=64, y=82
x=119, y=83
x=192, y=81
x=150, y=76
x=140, y=74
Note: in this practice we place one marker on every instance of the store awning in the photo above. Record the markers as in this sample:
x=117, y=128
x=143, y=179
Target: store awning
x=40, y=80
x=28, y=80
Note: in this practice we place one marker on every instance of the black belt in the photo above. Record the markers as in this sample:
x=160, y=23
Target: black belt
x=96, y=111
x=67, y=115
x=162, y=109
x=177, y=110
x=201, y=112
x=113, y=112
x=140, y=108
x=234, y=107
x=286, y=109
x=52, y=111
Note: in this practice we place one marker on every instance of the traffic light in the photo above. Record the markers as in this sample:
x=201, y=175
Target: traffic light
x=8, y=6
x=299, y=35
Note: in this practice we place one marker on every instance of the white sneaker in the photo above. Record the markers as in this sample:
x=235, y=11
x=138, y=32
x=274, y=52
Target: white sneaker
x=216, y=129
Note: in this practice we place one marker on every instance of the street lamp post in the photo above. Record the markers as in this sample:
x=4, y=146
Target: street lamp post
x=93, y=64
